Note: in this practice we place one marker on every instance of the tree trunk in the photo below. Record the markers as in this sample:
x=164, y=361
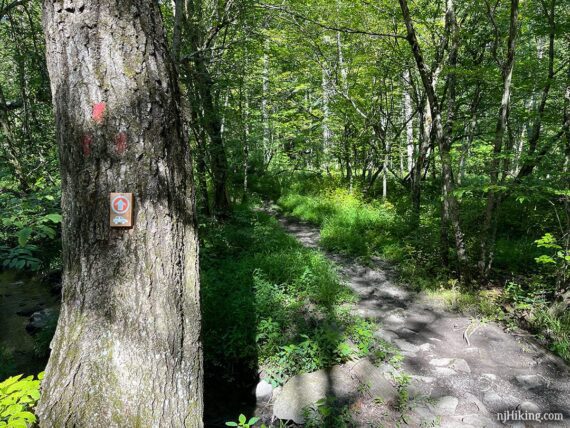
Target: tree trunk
x=327, y=134
x=487, y=240
x=439, y=136
x=210, y=117
x=409, y=122
x=265, y=106
x=127, y=348
x=468, y=142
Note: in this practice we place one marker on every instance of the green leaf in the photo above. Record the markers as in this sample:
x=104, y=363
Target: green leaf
x=231, y=424
x=54, y=218
x=253, y=421
x=27, y=416
x=24, y=236
x=242, y=419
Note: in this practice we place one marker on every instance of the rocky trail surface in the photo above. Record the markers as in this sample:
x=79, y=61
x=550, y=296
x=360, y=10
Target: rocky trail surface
x=463, y=372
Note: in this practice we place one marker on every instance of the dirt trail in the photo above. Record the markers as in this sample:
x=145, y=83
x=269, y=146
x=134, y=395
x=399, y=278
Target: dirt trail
x=463, y=384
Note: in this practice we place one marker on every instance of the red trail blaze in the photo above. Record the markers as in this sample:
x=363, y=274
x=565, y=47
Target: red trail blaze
x=86, y=142
x=98, y=112
x=121, y=142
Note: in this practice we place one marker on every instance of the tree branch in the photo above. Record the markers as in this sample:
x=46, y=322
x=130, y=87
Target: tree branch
x=329, y=27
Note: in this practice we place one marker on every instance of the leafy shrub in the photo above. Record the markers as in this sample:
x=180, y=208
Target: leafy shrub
x=7, y=365
x=242, y=422
x=30, y=228
x=18, y=398
x=287, y=309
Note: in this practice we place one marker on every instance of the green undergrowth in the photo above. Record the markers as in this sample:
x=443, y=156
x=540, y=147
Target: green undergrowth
x=363, y=227
x=274, y=305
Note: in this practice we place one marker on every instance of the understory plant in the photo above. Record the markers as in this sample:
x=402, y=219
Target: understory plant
x=290, y=312
x=18, y=399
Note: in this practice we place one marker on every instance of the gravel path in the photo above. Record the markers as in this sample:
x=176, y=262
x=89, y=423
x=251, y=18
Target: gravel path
x=466, y=384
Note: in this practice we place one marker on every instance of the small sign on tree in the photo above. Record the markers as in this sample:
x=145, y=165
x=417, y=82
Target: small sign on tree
x=121, y=209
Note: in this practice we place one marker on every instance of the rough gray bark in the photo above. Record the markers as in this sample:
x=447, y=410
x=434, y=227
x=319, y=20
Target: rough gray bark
x=127, y=348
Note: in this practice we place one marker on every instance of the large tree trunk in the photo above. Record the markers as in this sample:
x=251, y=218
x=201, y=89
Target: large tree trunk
x=127, y=348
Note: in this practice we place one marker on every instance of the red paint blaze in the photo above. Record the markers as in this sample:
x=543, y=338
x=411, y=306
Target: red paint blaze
x=98, y=112
x=121, y=142
x=86, y=143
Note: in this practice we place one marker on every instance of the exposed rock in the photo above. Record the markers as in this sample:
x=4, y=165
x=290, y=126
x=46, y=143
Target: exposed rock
x=367, y=373
x=406, y=346
x=470, y=421
x=445, y=405
x=457, y=364
x=386, y=335
x=39, y=320
x=26, y=312
x=493, y=399
x=444, y=371
x=394, y=319
x=342, y=382
x=473, y=400
x=424, y=379
x=303, y=391
x=530, y=381
x=489, y=376
x=528, y=407
x=263, y=391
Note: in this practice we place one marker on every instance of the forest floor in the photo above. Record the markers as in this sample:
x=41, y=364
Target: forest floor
x=465, y=369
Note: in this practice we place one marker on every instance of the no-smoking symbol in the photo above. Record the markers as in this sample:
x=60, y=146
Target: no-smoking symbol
x=120, y=204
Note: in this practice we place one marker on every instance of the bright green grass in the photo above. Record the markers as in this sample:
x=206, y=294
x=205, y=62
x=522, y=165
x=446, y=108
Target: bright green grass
x=273, y=304
x=353, y=226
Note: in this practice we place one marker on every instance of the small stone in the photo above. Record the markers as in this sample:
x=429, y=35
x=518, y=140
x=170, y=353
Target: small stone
x=478, y=421
x=446, y=406
x=41, y=319
x=425, y=347
x=394, y=319
x=461, y=366
x=425, y=379
x=407, y=332
x=457, y=364
x=489, y=376
x=440, y=362
x=386, y=335
x=492, y=398
x=263, y=391
x=528, y=407
x=530, y=381
x=406, y=346
x=444, y=371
